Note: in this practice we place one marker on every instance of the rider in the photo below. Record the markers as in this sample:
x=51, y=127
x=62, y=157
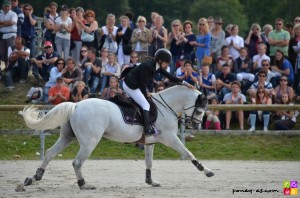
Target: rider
x=135, y=82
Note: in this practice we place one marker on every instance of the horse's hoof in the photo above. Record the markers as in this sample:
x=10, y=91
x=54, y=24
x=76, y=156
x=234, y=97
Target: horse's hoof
x=20, y=188
x=87, y=187
x=28, y=181
x=209, y=174
x=155, y=184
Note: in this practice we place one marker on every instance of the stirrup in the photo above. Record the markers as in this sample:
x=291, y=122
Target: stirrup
x=149, y=132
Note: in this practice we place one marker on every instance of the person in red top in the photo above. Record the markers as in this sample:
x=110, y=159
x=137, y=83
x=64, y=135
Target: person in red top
x=59, y=93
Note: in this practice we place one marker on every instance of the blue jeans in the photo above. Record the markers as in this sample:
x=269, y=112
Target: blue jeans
x=90, y=79
x=30, y=43
x=44, y=71
x=104, y=82
x=21, y=71
x=63, y=45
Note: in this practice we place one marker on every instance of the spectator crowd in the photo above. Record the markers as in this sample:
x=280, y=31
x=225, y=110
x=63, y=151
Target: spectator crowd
x=83, y=59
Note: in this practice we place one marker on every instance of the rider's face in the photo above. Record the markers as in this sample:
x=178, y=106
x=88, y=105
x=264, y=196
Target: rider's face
x=164, y=65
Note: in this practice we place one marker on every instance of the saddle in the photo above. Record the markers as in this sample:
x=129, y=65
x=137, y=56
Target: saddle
x=131, y=111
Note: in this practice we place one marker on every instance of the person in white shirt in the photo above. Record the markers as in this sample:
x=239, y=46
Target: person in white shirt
x=235, y=42
x=257, y=59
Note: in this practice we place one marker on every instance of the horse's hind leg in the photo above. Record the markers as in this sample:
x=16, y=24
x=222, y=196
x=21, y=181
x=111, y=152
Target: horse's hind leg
x=177, y=145
x=148, y=160
x=66, y=137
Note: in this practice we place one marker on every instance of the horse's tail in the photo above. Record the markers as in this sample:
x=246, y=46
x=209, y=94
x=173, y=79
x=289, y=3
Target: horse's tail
x=57, y=116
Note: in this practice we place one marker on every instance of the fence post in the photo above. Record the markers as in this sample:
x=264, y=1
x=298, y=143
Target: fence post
x=182, y=132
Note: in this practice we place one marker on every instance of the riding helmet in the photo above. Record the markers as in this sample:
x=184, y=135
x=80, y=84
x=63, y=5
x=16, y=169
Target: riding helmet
x=163, y=55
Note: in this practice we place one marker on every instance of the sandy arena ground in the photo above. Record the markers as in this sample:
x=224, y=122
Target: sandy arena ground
x=125, y=178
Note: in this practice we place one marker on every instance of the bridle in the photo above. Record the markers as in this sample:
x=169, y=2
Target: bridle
x=200, y=105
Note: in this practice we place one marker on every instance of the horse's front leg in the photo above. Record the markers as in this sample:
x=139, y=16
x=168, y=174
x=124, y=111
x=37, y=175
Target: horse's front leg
x=177, y=145
x=148, y=160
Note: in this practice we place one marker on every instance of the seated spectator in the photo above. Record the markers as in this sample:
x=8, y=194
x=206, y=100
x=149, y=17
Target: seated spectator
x=43, y=63
x=282, y=66
x=104, y=54
x=257, y=59
x=262, y=98
x=180, y=66
x=207, y=82
x=83, y=57
x=134, y=59
x=243, y=67
x=160, y=87
x=225, y=58
x=112, y=68
x=287, y=119
x=189, y=75
x=112, y=89
x=271, y=76
x=235, y=97
x=59, y=93
x=55, y=72
x=80, y=92
x=72, y=74
x=224, y=80
x=213, y=116
x=260, y=83
x=281, y=89
x=18, y=65
x=92, y=67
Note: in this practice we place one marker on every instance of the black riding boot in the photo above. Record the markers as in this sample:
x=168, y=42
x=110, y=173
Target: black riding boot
x=147, y=126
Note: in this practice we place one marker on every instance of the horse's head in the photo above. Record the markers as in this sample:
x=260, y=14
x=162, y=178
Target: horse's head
x=196, y=116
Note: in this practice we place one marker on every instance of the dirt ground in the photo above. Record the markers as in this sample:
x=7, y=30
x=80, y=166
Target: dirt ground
x=125, y=178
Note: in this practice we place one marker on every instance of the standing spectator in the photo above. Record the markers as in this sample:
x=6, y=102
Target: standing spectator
x=235, y=97
x=261, y=98
x=59, y=93
x=294, y=54
x=112, y=68
x=55, y=72
x=266, y=29
x=279, y=39
x=224, y=80
x=43, y=63
x=228, y=30
x=207, y=82
x=49, y=22
x=140, y=39
x=287, y=119
x=18, y=63
x=297, y=20
x=8, y=29
x=281, y=66
x=92, y=67
x=213, y=116
x=159, y=36
x=151, y=25
x=190, y=37
x=253, y=39
x=123, y=39
x=235, y=42
x=202, y=42
x=76, y=43
x=80, y=92
x=72, y=74
x=257, y=59
x=211, y=23
x=176, y=39
x=217, y=39
x=89, y=26
x=27, y=29
x=15, y=8
x=108, y=34
x=63, y=27
x=243, y=67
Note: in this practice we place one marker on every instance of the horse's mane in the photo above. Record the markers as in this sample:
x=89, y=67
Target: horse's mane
x=173, y=88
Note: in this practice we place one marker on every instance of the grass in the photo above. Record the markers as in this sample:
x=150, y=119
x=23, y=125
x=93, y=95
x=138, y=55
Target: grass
x=212, y=147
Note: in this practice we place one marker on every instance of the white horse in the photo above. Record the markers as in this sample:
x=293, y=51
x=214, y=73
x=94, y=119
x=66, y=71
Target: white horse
x=90, y=120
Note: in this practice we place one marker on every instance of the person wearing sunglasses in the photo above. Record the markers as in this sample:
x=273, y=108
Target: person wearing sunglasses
x=262, y=82
x=261, y=98
x=27, y=29
x=253, y=39
x=278, y=38
x=43, y=63
x=283, y=88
